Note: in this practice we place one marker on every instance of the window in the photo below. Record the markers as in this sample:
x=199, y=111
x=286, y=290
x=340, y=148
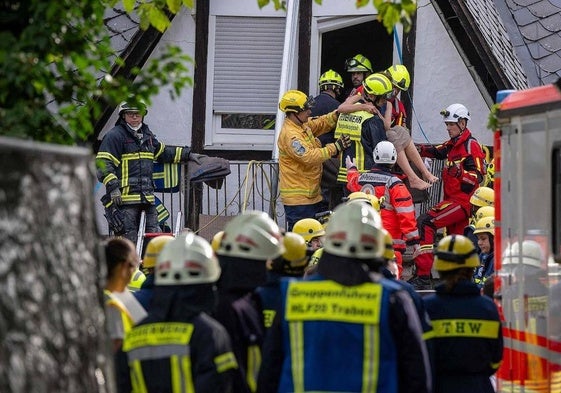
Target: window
x=243, y=80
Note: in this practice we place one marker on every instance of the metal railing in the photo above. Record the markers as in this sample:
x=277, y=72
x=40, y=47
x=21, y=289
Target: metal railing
x=251, y=185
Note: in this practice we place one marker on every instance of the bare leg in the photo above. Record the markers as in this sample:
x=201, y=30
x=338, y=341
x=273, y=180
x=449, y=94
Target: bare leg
x=415, y=157
x=414, y=180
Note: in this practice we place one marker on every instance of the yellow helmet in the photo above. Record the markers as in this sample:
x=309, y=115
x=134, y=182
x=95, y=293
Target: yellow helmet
x=295, y=249
x=483, y=196
x=153, y=249
x=359, y=196
x=136, y=281
x=216, y=239
x=295, y=101
x=329, y=78
x=377, y=84
x=399, y=76
x=485, y=211
x=358, y=63
x=485, y=225
x=308, y=228
x=388, y=246
x=455, y=252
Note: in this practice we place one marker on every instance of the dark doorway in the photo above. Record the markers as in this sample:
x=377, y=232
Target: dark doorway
x=369, y=39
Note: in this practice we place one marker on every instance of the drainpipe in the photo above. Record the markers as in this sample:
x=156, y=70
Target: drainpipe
x=287, y=73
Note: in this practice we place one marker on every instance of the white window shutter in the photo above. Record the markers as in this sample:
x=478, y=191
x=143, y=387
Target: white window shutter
x=247, y=64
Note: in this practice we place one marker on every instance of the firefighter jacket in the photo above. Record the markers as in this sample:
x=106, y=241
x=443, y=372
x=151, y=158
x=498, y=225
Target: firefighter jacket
x=468, y=341
x=125, y=161
x=397, y=209
x=485, y=270
x=365, y=131
x=464, y=152
x=337, y=338
x=180, y=348
x=300, y=159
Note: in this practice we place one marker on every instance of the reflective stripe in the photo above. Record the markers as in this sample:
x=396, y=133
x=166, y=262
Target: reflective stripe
x=160, y=150
x=253, y=364
x=103, y=155
x=297, y=355
x=371, y=358
x=177, y=157
x=466, y=328
x=225, y=362
x=109, y=177
x=158, y=352
x=137, y=378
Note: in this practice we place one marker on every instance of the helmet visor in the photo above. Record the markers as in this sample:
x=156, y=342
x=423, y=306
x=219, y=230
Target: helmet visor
x=309, y=104
x=352, y=63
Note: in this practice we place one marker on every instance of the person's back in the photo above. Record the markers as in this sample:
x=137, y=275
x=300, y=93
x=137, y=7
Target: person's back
x=179, y=344
x=467, y=339
x=344, y=328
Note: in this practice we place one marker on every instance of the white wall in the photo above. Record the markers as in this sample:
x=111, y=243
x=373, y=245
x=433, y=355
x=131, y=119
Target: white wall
x=441, y=79
x=171, y=121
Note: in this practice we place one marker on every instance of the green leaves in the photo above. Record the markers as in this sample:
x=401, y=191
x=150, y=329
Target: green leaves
x=390, y=13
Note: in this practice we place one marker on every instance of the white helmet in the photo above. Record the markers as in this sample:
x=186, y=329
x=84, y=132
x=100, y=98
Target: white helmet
x=530, y=254
x=251, y=235
x=187, y=259
x=355, y=231
x=454, y=113
x=385, y=153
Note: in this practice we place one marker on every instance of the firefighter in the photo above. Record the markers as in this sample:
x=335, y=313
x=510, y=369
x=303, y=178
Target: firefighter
x=468, y=341
x=249, y=241
x=346, y=328
x=312, y=231
x=398, y=210
x=153, y=249
x=125, y=164
x=463, y=171
x=485, y=233
x=483, y=196
x=360, y=68
x=178, y=346
x=301, y=155
x=365, y=128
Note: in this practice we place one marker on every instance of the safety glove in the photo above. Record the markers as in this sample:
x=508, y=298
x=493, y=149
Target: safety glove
x=116, y=196
x=343, y=142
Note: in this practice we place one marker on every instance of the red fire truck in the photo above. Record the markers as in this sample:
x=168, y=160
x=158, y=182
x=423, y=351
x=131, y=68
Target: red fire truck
x=527, y=151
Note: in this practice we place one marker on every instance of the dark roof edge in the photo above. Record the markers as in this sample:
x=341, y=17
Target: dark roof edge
x=135, y=54
x=521, y=50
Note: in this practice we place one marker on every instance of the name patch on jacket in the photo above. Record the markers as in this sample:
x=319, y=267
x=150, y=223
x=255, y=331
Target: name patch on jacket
x=297, y=147
x=369, y=177
x=329, y=301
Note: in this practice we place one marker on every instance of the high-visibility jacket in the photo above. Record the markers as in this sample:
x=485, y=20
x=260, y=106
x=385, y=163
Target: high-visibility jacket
x=126, y=162
x=343, y=338
x=300, y=159
x=177, y=357
x=466, y=152
x=467, y=338
x=126, y=317
x=355, y=125
x=398, y=210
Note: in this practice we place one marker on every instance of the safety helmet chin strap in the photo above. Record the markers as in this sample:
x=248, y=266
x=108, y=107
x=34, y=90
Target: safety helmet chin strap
x=296, y=115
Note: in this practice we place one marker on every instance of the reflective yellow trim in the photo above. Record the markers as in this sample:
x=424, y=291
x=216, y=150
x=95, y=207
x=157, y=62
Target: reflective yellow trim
x=109, y=177
x=371, y=358
x=253, y=364
x=137, y=378
x=297, y=355
x=330, y=301
x=160, y=150
x=428, y=335
x=162, y=333
x=178, y=151
x=225, y=362
x=465, y=328
x=175, y=374
x=187, y=375
x=268, y=317
x=103, y=155
x=495, y=366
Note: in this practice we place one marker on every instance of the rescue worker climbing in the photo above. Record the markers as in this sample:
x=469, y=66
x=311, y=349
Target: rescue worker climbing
x=463, y=171
x=346, y=329
x=178, y=347
x=125, y=164
x=468, y=341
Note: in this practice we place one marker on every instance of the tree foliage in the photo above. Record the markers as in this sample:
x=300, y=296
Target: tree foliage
x=55, y=61
x=390, y=12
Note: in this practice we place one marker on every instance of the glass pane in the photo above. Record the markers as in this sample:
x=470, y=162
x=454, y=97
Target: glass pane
x=248, y=121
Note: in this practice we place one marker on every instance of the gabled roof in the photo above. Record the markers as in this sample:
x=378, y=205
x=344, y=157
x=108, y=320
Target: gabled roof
x=534, y=27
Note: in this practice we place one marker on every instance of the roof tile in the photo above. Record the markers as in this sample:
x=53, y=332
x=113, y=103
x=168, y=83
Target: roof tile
x=551, y=63
x=552, y=22
x=551, y=43
x=523, y=16
x=534, y=31
x=543, y=9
